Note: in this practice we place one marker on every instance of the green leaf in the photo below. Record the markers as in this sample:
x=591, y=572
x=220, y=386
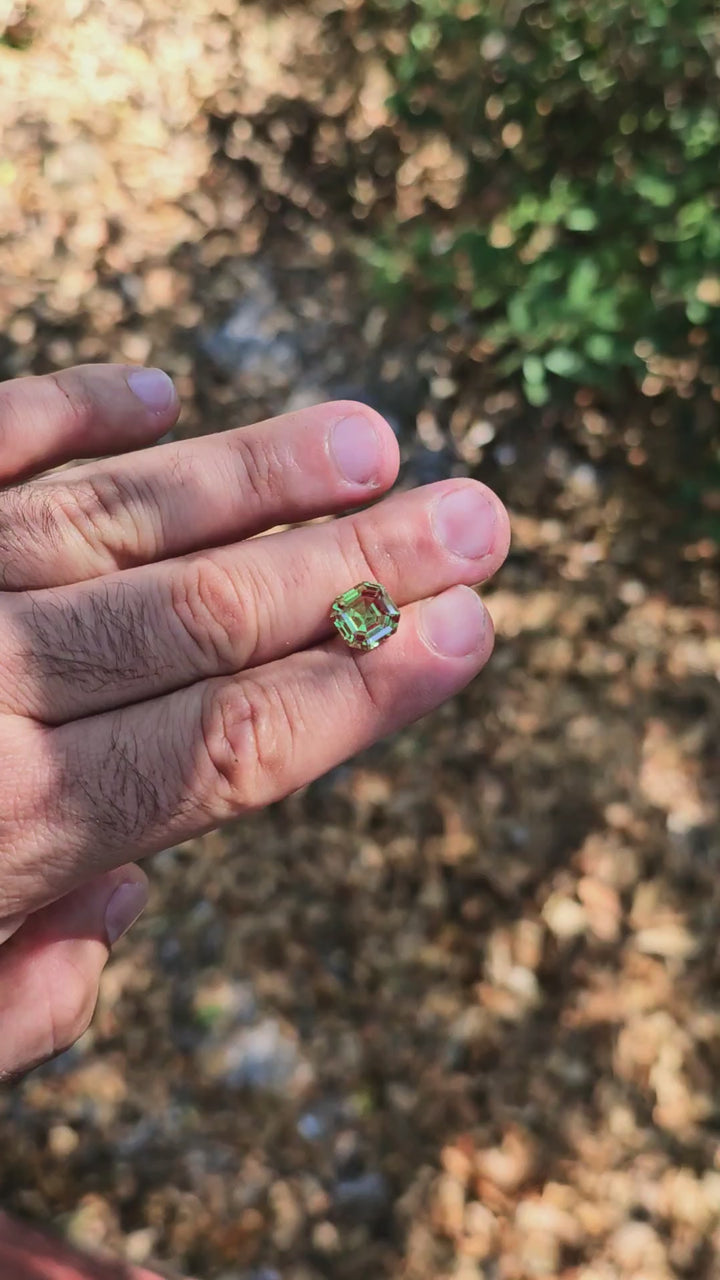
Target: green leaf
x=424, y=35
x=484, y=297
x=583, y=282
x=697, y=312
x=656, y=190
x=519, y=316
x=611, y=193
x=564, y=362
x=600, y=347
x=536, y=393
x=533, y=369
x=581, y=219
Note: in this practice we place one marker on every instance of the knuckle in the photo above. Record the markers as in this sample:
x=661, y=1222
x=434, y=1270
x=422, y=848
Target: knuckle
x=25, y=796
x=265, y=470
x=73, y=406
x=361, y=545
x=247, y=737
x=103, y=514
x=12, y=424
x=28, y=518
x=215, y=612
x=108, y=516
x=369, y=694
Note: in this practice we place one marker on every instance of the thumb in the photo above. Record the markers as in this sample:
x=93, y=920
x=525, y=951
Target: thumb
x=50, y=968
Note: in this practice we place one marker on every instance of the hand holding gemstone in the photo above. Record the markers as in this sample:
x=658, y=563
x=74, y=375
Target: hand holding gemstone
x=164, y=669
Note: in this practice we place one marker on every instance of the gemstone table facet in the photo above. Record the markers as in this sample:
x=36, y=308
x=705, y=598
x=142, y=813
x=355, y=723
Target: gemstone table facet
x=365, y=616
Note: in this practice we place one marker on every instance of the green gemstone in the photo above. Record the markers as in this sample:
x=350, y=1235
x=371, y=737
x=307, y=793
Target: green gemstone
x=365, y=616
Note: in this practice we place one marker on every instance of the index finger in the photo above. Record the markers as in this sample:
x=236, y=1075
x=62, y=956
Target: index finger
x=186, y=496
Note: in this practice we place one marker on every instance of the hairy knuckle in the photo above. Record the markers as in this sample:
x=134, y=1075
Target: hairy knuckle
x=87, y=640
x=109, y=516
x=215, y=611
x=106, y=516
x=83, y=513
x=245, y=735
x=28, y=519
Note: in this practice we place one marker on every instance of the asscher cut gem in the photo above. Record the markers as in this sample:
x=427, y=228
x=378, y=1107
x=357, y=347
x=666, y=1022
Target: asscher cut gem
x=365, y=616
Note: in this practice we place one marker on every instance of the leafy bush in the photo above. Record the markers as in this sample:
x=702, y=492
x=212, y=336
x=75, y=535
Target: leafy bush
x=586, y=234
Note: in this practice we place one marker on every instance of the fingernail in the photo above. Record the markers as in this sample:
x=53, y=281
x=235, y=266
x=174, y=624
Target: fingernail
x=454, y=623
x=356, y=449
x=126, y=904
x=153, y=387
x=465, y=522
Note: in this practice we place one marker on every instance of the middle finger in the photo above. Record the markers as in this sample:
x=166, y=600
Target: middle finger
x=88, y=648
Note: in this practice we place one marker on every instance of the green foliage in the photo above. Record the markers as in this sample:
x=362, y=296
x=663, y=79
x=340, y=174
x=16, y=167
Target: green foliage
x=586, y=234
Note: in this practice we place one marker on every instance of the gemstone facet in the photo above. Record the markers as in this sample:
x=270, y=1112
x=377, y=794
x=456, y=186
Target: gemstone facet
x=365, y=616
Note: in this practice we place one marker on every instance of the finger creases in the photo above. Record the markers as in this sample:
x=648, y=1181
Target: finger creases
x=154, y=504
x=153, y=774
x=95, y=646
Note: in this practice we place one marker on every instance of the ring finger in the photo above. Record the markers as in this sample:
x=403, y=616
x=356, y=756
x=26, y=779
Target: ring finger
x=101, y=517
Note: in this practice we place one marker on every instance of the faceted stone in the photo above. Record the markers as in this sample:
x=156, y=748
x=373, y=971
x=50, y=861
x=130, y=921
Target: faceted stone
x=365, y=616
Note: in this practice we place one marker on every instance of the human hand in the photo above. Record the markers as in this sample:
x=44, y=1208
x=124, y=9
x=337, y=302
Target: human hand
x=164, y=670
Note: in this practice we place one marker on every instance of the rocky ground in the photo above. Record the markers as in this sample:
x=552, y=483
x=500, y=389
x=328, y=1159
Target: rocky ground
x=451, y=1013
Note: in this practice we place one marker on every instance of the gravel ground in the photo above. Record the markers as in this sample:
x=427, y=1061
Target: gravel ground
x=450, y=1013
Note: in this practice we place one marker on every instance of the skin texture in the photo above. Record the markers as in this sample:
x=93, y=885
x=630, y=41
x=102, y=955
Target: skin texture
x=165, y=670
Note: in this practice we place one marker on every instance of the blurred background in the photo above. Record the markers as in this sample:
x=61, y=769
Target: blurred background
x=452, y=1012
